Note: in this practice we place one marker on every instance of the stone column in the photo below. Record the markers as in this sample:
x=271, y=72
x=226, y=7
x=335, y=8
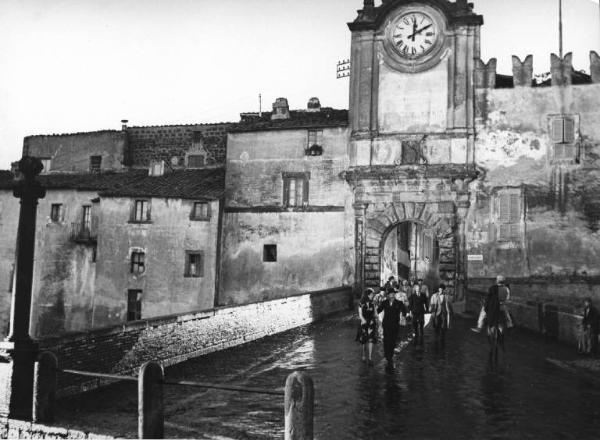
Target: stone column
x=359, y=246
x=18, y=352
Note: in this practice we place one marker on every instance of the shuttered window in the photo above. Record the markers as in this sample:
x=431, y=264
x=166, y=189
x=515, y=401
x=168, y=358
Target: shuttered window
x=509, y=216
x=295, y=190
x=563, y=134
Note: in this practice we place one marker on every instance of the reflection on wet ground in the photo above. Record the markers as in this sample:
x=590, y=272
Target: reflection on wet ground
x=434, y=392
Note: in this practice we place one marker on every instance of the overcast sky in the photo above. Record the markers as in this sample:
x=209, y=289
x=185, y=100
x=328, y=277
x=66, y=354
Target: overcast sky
x=83, y=65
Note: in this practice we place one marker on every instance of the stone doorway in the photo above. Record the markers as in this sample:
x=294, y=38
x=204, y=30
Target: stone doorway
x=410, y=250
x=375, y=223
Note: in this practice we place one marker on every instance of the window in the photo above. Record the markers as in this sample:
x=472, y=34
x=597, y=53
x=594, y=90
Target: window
x=57, y=213
x=563, y=129
x=95, y=164
x=509, y=216
x=427, y=246
x=134, y=304
x=47, y=163
x=196, y=160
x=295, y=189
x=563, y=135
x=86, y=219
x=270, y=253
x=141, y=211
x=200, y=211
x=194, y=264
x=138, y=264
x=315, y=137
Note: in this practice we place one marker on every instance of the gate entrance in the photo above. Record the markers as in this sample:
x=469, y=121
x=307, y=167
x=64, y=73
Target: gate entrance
x=410, y=250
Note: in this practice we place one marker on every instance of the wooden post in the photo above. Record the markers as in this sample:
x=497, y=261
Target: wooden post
x=299, y=406
x=151, y=418
x=44, y=387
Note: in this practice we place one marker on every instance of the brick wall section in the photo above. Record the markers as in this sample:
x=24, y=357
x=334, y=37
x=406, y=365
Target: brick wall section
x=175, y=339
x=148, y=144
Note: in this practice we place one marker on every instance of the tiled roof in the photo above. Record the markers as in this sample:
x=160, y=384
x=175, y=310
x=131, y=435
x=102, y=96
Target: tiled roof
x=298, y=119
x=198, y=184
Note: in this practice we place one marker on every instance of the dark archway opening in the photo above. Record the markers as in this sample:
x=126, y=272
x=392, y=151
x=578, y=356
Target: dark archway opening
x=410, y=250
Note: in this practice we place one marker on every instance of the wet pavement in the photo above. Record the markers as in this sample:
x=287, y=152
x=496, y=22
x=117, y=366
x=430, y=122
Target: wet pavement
x=434, y=392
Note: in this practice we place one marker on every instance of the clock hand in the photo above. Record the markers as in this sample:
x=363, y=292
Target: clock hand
x=414, y=29
x=415, y=32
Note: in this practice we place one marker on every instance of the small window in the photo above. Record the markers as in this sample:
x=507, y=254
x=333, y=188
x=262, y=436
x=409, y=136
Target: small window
x=134, y=304
x=295, y=189
x=196, y=160
x=47, y=163
x=95, y=164
x=194, y=264
x=94, y=253
x=200, y=211
x=138, y=263
x=270, y=253
x=141, y=211
x=56, y=213
x=315, y=137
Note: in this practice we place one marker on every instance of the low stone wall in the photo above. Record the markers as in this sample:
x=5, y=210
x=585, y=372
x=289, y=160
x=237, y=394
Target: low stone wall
x=10, y=428
x=174, y=339
x=549, y=306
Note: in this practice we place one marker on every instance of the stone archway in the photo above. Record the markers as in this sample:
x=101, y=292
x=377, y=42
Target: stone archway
x=375, y=220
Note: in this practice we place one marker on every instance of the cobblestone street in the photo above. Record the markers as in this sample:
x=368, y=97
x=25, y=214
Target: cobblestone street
x=434, y=392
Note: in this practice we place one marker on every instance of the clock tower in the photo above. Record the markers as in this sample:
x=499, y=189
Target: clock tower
x=412, y=133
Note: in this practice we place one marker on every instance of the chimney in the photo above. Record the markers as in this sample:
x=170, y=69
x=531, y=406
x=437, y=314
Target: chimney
x=124, y=124
x=314, y=105
x=281, y=109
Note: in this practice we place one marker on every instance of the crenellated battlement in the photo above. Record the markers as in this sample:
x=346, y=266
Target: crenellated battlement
x=561, y=73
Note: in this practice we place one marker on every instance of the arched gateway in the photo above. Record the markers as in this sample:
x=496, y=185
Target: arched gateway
x=436, y=221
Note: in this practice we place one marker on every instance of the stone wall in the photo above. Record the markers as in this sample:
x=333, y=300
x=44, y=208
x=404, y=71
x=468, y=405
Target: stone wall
x=552, y=307
x=9, y=221
x=172, y=143
x=174, y=339
x=10, y=428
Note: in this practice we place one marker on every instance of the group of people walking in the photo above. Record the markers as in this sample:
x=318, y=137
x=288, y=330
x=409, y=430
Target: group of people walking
x=396, y=302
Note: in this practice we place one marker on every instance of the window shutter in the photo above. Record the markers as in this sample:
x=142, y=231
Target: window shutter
x=147, y=208
x=559, y=151
x=304, y=192
x=515, y=208
x=557, y=130
x=286, y=192
x=569, y=151
x=515, y=231
x=504, y=208
x=569, y=130
x=503, y=232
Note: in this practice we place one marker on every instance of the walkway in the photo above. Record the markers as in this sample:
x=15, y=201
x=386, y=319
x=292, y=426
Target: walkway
x=434, y=392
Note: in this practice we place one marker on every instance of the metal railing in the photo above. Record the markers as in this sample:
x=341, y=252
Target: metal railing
x=85, y=232
x=298, y=396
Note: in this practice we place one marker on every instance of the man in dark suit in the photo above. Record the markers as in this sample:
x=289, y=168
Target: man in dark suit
x=418, y=306
x=392, y=308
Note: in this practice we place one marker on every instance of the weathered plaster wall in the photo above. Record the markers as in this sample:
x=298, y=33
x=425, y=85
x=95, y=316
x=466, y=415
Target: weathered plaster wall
x=314, y=243
x=256, y=161
x=64, y=271
x=164, y=240
x=71, y=152
x=9, y=220
x=310, y=255
x=413, y=102
x=561, y=200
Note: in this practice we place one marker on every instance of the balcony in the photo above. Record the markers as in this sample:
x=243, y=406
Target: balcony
x=85, y=233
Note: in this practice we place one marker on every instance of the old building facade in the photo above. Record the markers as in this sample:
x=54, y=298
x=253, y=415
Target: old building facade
x=441, y=169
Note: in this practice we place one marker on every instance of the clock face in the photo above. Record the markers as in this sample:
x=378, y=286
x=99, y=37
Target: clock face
x=414, y=34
